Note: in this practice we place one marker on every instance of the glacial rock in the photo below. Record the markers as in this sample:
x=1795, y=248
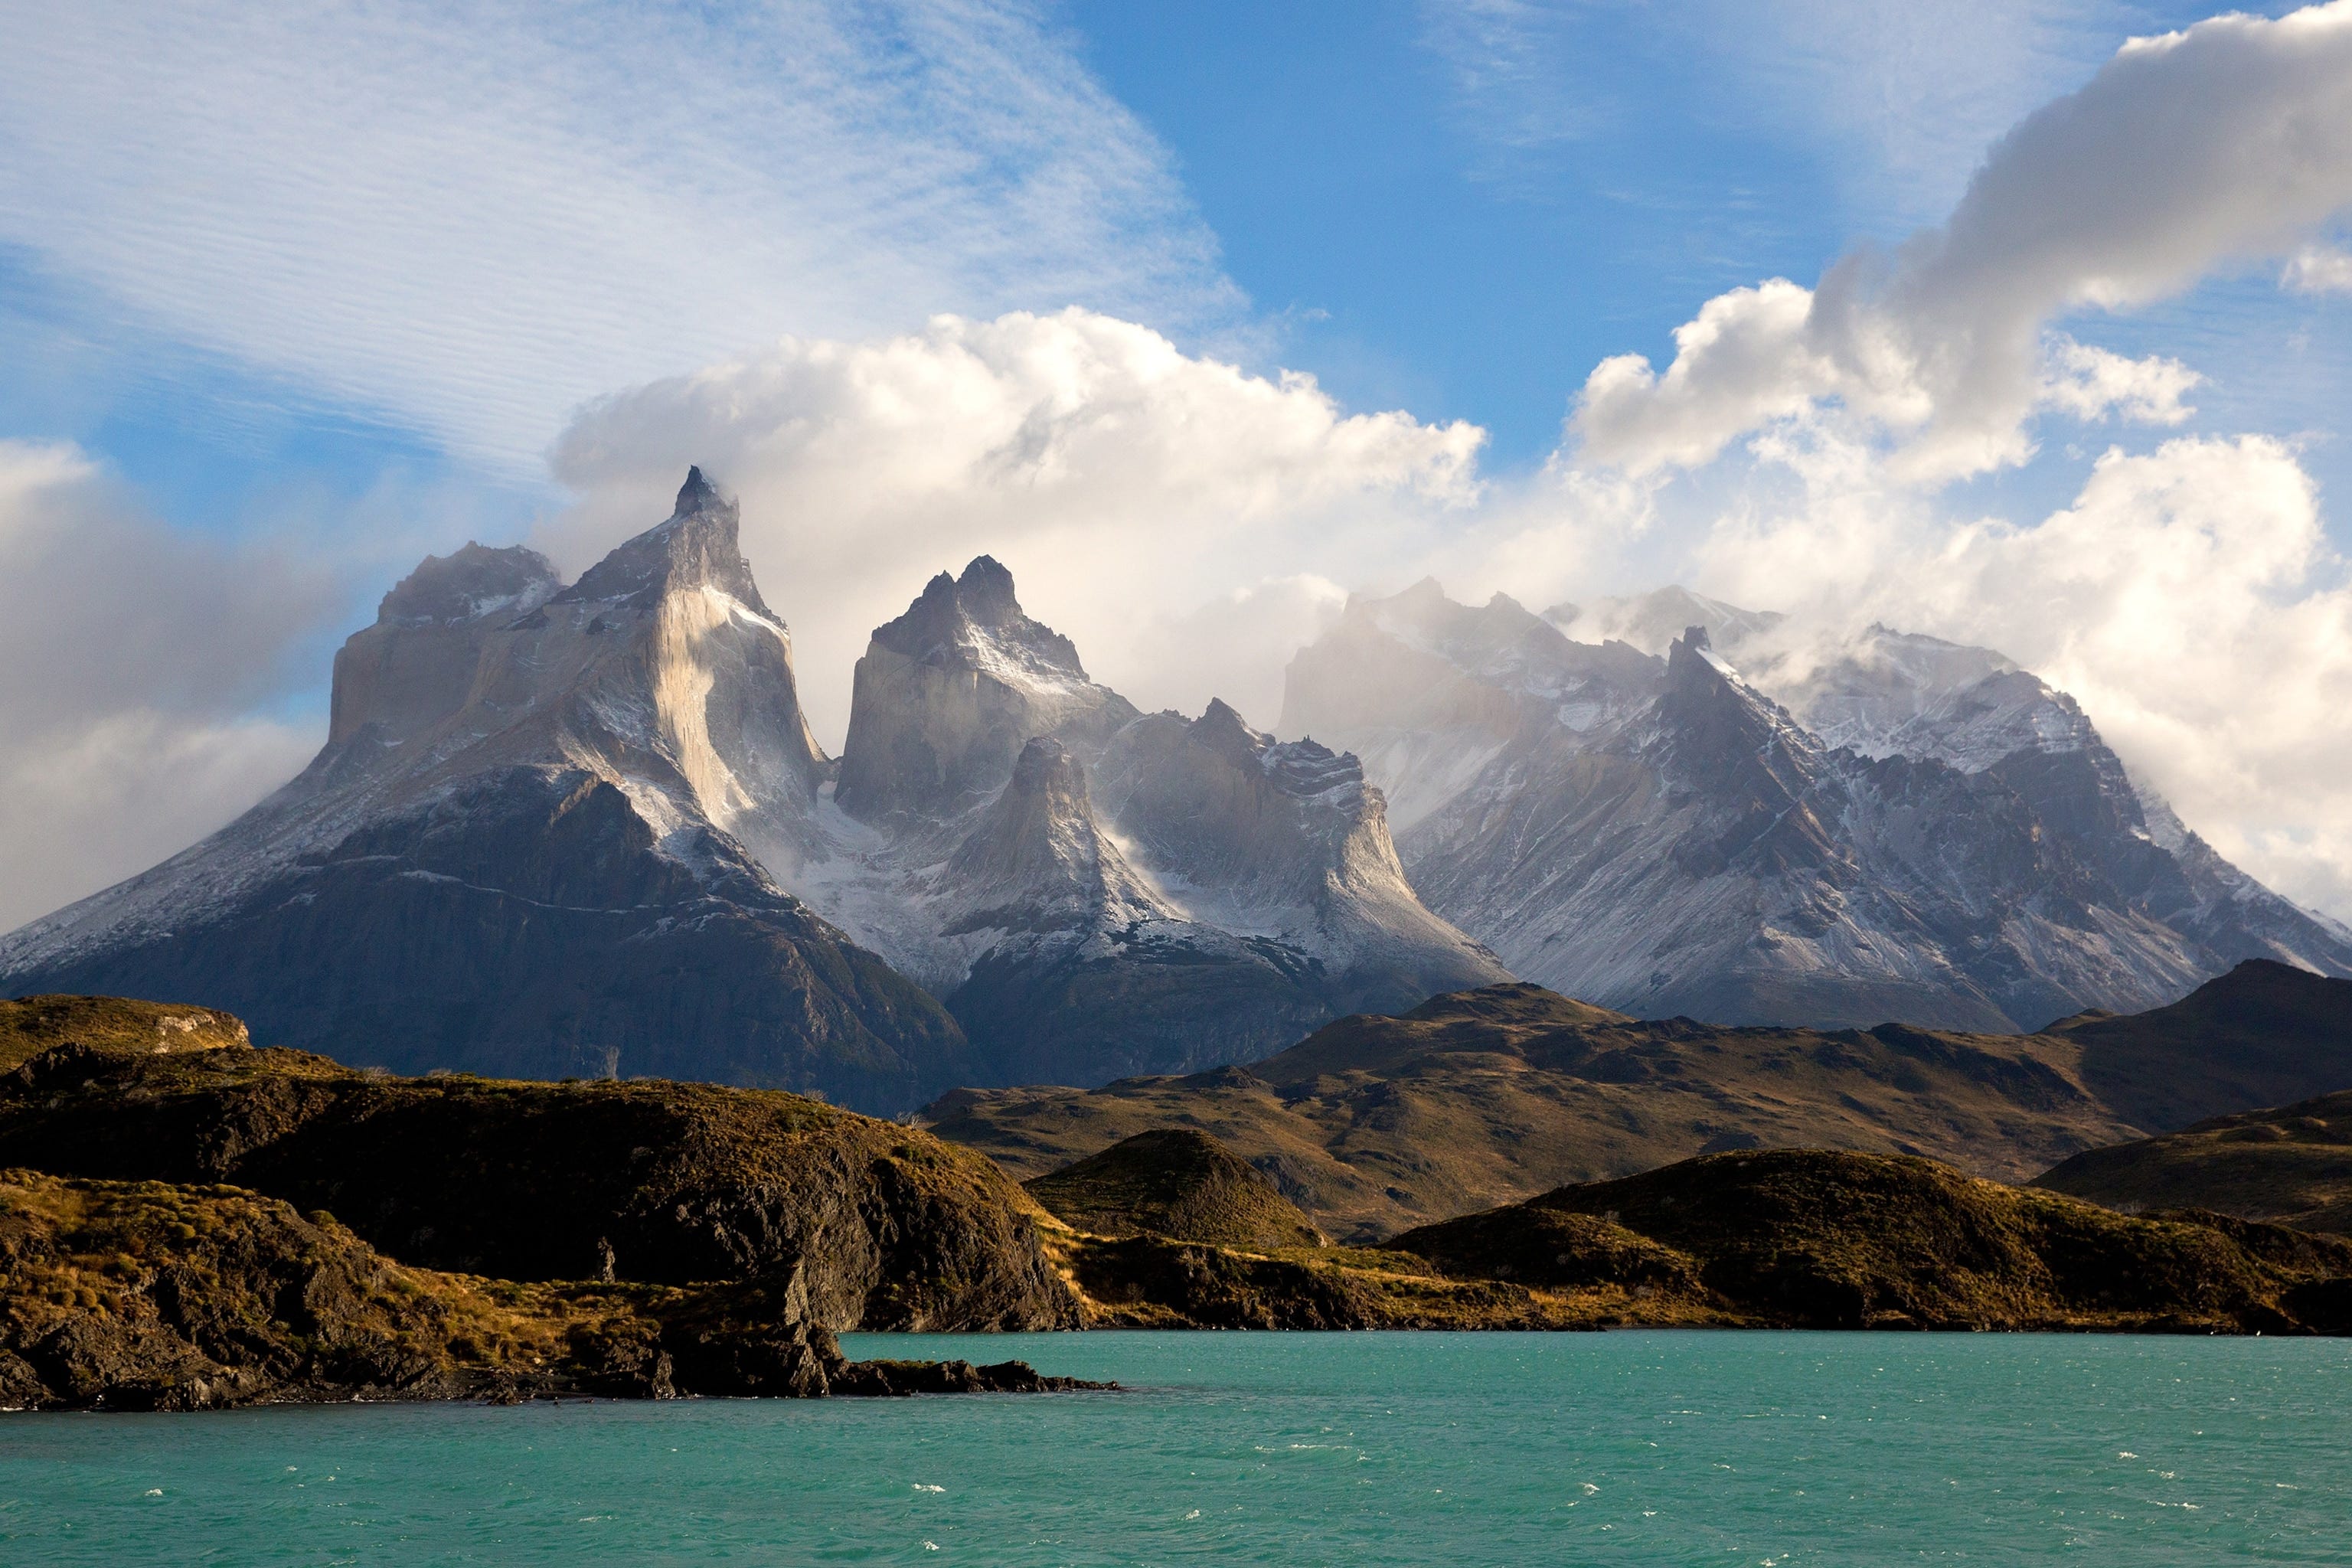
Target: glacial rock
x=537, y=841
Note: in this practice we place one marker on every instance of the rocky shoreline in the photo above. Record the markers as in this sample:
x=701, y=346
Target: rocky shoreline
x=160, y=1296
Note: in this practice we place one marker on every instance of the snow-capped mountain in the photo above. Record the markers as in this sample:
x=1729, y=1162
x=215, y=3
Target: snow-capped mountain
x=559, y=830
x=1097, y=892
x=533, y=845
x=1913, y=830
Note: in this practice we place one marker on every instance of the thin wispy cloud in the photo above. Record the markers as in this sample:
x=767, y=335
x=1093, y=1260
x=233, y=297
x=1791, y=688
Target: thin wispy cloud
x=474, y=219
x=1901, y=99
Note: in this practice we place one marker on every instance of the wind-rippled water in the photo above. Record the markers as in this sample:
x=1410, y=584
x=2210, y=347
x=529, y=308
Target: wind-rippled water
x=1455, y=1449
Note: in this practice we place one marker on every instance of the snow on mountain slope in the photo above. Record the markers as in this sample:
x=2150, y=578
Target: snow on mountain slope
x=1915, y=830
x=512, y=763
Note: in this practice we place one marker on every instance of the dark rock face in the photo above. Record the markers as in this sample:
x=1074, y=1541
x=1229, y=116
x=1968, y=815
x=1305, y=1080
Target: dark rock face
x=147, y=1295
x=1810, y=1239
x=1179, y=1183
x=538, y=842
x=1923, y=832
x=1085, y=968
x=876, y=1225
x=525, y=922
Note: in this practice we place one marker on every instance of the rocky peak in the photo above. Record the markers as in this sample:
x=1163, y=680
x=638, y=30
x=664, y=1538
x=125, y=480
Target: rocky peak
x=948, y=693
x=1299, y=768
x=1722, y=734
x=1223, y=730
x=1052, y=772
x=467, y=584
x=976, y=622
x=696, y=546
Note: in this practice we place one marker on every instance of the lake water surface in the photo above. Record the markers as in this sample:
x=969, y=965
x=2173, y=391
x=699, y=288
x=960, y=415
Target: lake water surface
x=1455, y=1449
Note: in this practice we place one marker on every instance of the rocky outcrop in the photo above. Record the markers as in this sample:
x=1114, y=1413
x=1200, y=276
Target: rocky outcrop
x=1179, y=1183
x=1913, y=830
x=31, y=1024
x=147, y=1295
x=537, y=841
x=879, y=1225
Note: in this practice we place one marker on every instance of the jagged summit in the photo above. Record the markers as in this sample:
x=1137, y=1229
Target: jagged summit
x=467, y=584
x=976, y=622
x=696, y=546
x=948, y=694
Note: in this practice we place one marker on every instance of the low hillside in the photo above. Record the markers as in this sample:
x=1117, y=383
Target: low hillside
x=2290, y=1165
x=1818, y=1238
x=145, y=1296
x=1372, y=1124
x=1177, y=1182
x=31, y=1024
x=663, y=1182
x=2264, y=1034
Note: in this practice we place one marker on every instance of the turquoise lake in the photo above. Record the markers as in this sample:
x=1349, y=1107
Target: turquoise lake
x=1629, y=1447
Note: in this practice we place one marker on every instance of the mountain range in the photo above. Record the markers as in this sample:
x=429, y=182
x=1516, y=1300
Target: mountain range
x=1744, y=829
x=586, y=829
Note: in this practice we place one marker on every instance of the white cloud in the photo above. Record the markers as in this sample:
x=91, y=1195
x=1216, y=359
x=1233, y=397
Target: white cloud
x=1127, y=485
x=2319, y=270
x=2231, y=140
x=477, y=217
x=134, y=655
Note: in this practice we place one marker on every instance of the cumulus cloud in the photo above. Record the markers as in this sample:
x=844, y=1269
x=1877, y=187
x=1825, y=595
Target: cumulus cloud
x=135, y=657
x=1127, y=484
x=2231, y=140
x=476, y=217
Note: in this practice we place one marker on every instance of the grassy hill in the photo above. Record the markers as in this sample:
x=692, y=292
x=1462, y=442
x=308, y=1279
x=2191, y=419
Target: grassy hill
x=1822, y=1238
x=2289, y=1165
x=1174, y=1182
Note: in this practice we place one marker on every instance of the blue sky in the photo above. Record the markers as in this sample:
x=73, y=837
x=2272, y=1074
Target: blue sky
x=299, y=300
x=1415, y=231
